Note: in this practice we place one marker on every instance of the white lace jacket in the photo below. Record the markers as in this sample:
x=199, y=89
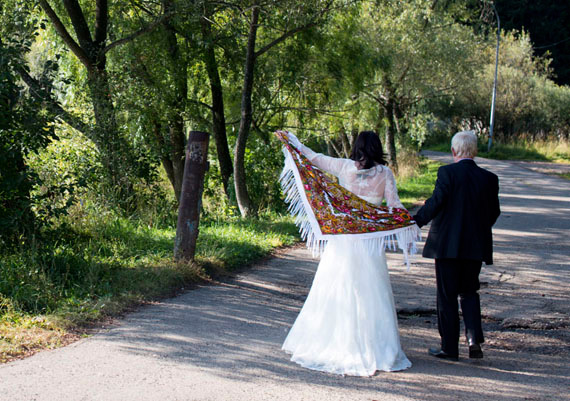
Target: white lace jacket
x=373, y=184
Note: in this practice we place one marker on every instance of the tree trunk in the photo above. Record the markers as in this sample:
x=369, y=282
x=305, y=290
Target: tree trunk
x=391, y=137
x=218, y=113
x=330, y=149
x=195, y=168
x=115, y=152
x=346, y=148
x=243, y=200
x=398, y=116
x=353, y=136
x=164, y=158
x=388, y=107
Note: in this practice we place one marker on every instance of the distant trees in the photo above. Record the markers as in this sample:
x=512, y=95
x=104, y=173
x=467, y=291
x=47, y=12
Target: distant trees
x=90, y=25
x=391, y=58
x=426, y=55
x=528, y=101
x=134, y=77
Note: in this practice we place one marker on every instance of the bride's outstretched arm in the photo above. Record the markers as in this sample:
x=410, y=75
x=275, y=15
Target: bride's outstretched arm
x=329, y=164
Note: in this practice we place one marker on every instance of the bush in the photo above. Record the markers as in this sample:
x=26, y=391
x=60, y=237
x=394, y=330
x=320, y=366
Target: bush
x=528, y=102
x=24, y=128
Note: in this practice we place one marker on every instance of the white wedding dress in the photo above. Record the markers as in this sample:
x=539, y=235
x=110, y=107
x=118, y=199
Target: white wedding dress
x=348, y=324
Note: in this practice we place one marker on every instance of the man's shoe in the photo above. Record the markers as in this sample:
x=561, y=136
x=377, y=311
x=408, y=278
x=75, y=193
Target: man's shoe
x=439, y=353
x=475, y=351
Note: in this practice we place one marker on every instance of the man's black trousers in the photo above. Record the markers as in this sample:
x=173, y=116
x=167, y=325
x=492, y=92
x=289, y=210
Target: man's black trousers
x=458, y=278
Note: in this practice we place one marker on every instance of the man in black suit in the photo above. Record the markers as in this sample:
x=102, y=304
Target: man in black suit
x=464, y=206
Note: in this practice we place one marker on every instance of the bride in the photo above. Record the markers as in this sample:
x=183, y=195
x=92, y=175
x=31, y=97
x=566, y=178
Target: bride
x=348, y=324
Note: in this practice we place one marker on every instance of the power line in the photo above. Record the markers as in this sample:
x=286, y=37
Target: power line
x=553, y=44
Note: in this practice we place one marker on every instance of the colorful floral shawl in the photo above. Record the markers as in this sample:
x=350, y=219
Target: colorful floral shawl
x=324, y=209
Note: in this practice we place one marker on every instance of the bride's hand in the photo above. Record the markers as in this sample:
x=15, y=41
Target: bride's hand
x=294, y=141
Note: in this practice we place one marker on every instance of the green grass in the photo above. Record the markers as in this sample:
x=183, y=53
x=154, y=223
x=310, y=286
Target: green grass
x=512, y=152
x=95, y=264
x=419, y=186
x=231, y=245
x=438, y=147
x=51, y=290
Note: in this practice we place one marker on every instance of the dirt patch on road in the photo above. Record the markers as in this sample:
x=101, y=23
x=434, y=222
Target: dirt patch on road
x=540, y=337
x=544, y=342
x=16, y=343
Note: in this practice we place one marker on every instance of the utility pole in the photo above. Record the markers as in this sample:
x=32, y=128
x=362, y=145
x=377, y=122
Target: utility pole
x=492, y=123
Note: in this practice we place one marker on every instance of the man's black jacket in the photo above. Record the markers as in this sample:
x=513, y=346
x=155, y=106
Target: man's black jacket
x=464, y=206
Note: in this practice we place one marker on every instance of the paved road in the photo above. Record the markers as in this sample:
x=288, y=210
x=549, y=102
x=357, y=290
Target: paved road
x=222, y=342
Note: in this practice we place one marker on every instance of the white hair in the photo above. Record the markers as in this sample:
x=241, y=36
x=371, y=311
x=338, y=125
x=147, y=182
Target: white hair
x=464, y=143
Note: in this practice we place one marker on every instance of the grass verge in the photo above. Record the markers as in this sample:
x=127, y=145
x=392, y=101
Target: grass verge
x=546, y=151
x=51, y=293
x=417, y=187
x=96, y=265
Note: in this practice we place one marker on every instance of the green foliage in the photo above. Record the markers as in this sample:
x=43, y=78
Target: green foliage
x=427, y=52
x=323, y=82
x=381, y=64
x=528, y=102
x=263, y=170
x=25, y=127
x=264, y=162
x=80, y=270
x=418, y=186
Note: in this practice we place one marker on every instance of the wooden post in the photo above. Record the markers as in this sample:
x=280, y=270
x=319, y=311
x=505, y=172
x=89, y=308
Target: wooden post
x=195, y=168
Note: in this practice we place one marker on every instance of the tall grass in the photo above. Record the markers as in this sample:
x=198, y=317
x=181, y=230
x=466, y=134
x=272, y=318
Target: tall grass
x=557, y=151
x=416, y=178
x=550, y=151
x=105, y=264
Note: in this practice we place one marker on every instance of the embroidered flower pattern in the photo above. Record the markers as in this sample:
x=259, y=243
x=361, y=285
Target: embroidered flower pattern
x=337, y=210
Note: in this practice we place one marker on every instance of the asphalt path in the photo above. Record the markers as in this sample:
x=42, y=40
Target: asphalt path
x=222, y=341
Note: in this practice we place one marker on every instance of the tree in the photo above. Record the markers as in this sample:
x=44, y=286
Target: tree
x=423, y=53
x=91, y=46
x=164, y=84
x=25, y=127
x=216, y=89
x=380, y=67
x=285, y=14
x=529, y=103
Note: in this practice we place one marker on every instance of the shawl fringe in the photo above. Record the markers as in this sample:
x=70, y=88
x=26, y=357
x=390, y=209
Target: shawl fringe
x=403, y=238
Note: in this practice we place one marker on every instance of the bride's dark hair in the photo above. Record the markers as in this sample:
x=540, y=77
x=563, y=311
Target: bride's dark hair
x=367, y=149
